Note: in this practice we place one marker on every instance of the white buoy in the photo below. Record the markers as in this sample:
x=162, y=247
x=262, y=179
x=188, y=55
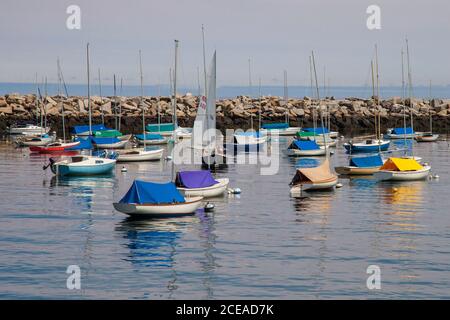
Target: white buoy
x=234, y=191
x=339, y=185
x=436, y=176
x=169, y=158
x=209, y=207
x=124, y=169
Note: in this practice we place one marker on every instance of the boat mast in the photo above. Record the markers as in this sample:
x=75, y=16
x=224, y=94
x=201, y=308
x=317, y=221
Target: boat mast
x=120, y=102
x=318, y=101
x=158, y=103
x=174, y=105
x=259, y=111
x=404, y=102
x=431, y=116
x=45, y=91
x=410, y=96
x=142, y=97
x=38, y=107
x=286, y=117
x=312, y=94
x=59, y=98
x=88, y=90
x=204, y=60
x=373, y=96
x=101, y=100
x=115, y=101
x=378, y=134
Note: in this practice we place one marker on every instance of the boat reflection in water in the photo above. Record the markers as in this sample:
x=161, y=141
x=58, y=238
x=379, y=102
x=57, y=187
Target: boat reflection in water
x=152, y=246
x=82, y=190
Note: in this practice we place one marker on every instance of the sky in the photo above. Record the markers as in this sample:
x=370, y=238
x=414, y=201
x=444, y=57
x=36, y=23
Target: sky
x=275, y=35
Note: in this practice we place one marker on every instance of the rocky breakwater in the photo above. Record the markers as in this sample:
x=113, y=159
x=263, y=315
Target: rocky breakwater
x=350, y=116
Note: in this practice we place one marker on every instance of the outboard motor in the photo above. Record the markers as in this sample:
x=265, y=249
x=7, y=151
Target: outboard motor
x=51, y=162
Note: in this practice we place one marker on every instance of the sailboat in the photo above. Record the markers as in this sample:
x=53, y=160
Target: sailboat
x=316, y=178
x=305, y=148
x=377, y=144
x=200, y=183
x=83, y=164
x=361, y=166
x=150, y=199
x=406, y=168
x=140, y=154
x=428, y=136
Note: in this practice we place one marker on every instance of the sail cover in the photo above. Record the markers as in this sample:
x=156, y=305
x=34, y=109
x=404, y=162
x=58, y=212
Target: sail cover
x=318, y=130
x=195, y=179
x=305, y=145
x=271, y=126
x=401, y=164
x=366, y=162
x=105, y=140
x=142, y=192
x=408, y=130
x=95, y=127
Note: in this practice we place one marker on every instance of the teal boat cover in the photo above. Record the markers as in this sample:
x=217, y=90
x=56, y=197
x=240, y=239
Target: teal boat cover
x=162, y=127
x=149, y=136
x=278, y=125
x=304, y=145
x=142, y=192
x=366, y=162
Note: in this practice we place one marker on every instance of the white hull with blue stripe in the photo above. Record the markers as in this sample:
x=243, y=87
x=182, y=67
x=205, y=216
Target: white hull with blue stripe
x=83, y=166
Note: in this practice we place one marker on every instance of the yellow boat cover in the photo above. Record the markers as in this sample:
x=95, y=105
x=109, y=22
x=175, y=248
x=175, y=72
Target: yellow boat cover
x=401, y=164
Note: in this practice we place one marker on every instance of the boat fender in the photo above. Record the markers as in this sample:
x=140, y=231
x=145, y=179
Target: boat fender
x=339, y=185
x=124, y=169
x=168, y=158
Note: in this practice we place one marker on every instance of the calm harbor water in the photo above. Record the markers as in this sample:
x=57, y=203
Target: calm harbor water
x=261, y=244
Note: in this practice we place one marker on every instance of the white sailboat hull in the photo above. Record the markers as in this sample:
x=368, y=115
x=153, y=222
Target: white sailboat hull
x=153, y=141
x=29, y=130
x=387, y=175
x=117, y=145
x=140, y=155
x=296, y=152
x=291, y=131
x=160, y=210
x=427, y=138
x=208, y=192
x=325, y=185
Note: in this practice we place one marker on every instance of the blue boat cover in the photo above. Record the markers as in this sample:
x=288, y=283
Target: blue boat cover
x=319, y=130
x=142, y=192
x=95, y=127
x=84, y=144
x=249, y=134
x=105, y=140
x=408, y=130
x=147, y=136
x=366, y=162
x=305, y=145
x=278, y=125
x=195, y=179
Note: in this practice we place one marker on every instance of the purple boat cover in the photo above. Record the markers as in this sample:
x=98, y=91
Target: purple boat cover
x=195, y=179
